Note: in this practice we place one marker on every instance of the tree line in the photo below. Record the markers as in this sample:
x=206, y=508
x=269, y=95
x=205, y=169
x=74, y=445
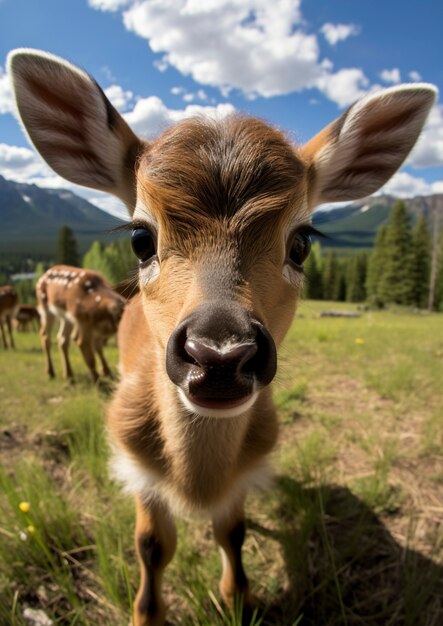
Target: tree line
x=115, y=261
x=397, y=271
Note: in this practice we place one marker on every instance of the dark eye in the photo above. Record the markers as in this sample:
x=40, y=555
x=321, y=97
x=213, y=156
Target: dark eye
x=300, y=248
x=143, y=244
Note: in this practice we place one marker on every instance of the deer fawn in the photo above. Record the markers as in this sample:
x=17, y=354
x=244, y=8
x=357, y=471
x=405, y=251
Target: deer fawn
x=221, y=215
x=8, y=306
x=25, y=317
x=86, y=307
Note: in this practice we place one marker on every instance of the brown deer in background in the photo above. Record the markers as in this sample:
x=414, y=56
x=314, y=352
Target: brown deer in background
x=25, y=316
x=8, y=306
x=221, y=213
x=87, y=309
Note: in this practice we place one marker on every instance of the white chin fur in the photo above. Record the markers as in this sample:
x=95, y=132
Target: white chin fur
x=220, y=413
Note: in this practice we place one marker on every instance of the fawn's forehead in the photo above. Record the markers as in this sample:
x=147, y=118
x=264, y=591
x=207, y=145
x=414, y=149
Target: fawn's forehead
x=232, y=170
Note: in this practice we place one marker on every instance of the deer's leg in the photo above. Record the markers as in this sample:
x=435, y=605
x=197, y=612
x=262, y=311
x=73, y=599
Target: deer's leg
x=98, y=344
x=229, y=532
x=47, y=322
x=9, y=325
x=155, y=540
x=84, y=342
x=5, y=345
x=63, y=339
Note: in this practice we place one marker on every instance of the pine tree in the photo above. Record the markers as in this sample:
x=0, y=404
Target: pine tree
x=39, y=270
x=122, y=260
x=421, y=262
x=363, y=271
x=330, y=276
x=396, y=283
x=316, y=251
x=67, y=249
x=339, y=282
x=95, y=259
x=116, y=261
x=356, y=278
x=313, y=283
x=438, y=304
x=376, y=265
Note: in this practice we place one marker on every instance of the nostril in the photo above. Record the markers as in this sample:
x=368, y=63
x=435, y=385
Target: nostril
x=264, y=363
x=207, y=357
x=244, y=356
x=200, y=354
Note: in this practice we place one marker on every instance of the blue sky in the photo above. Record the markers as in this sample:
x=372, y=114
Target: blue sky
x=297, y=64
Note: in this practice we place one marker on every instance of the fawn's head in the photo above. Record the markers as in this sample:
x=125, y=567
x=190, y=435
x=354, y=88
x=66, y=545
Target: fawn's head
x=220, y=213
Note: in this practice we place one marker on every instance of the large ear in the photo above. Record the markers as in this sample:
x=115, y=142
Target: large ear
x=73, y=125
x=355, y=155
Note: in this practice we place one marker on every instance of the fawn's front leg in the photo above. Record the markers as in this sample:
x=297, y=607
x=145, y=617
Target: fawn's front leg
x=155, y=541
x=229, y=533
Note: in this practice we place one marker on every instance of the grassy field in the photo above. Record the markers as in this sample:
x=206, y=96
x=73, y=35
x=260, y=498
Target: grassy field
x=351, y=532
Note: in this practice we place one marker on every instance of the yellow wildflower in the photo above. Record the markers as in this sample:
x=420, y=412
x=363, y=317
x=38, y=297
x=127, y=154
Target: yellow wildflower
x=24, y=507
x=31, y=529
x=359, y=341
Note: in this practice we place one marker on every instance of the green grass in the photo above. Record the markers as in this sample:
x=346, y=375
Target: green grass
x=350, y=533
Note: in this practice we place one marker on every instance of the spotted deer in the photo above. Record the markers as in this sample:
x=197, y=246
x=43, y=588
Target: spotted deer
x=221, y=222
x=8, y=307
x=87, y=309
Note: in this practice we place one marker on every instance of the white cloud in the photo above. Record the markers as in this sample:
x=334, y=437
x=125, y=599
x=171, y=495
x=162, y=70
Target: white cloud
x=345, y=86
x=415, y=76
x=20, y=164
x=391, y=76
x=251, y=45
x=198, y=95
x=201, y=95
x=24, y=165
x=189, y=96
x=108, y=73
x=429, y=149
x=150, y=115
x=119, y=97
x=104, y=201
x=7, y=103
x=108, y=5
x=338, y=32
x=405, y=185
x=258, y=47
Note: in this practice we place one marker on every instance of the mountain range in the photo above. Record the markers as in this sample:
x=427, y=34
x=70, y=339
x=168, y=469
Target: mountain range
x=355, y=225
x=31, y=217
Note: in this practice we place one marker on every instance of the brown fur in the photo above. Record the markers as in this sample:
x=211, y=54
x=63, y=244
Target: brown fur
x=87, y=308
x=238, y=170
x=221, y=231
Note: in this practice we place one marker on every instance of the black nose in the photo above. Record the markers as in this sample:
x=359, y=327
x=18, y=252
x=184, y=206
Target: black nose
x=219, y=353
x=236, y=359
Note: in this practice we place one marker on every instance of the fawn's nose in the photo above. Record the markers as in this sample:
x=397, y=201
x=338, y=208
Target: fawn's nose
x=235, y=359
x=220, y=355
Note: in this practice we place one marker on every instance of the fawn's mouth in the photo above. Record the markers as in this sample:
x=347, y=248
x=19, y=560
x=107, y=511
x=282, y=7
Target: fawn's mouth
x=218, y=407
